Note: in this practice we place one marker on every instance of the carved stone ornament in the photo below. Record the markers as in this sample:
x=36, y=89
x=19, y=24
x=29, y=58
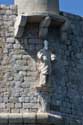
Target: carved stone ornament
x=45, y=58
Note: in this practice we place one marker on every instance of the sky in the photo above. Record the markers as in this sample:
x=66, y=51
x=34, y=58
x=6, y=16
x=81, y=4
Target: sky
x=71, y=6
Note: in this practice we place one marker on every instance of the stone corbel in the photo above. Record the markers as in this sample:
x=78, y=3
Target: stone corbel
x=43, y=27
x=19, y=26
x=44, y=22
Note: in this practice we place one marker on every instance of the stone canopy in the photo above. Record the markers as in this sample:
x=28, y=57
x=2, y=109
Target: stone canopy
x=30, y=11
x=22, y=20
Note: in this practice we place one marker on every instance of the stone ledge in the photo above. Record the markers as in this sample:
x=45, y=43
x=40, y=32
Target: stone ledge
x=30, y=118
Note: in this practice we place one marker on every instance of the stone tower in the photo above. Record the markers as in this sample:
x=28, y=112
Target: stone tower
x=34, y=7
x=41, y=64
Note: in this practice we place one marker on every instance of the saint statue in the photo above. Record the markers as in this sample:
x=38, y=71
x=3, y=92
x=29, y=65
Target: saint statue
x=45, y=58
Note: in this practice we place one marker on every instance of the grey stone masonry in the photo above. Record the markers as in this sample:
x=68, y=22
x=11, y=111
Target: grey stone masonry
x=18, y=70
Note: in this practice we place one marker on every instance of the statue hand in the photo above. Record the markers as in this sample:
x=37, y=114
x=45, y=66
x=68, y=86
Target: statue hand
x=53, y=57
x=39, y=55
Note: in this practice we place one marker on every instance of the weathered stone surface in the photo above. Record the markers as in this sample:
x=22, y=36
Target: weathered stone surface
x=3, y=119
x=29, y=118
x=18, y=69
x=42, y=118
x=15, y=118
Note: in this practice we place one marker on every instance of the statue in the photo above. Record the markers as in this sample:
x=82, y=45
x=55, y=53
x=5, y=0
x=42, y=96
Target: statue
x=44, y=66
x=45, y=58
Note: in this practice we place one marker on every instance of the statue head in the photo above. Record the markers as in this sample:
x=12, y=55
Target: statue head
x=45, y=44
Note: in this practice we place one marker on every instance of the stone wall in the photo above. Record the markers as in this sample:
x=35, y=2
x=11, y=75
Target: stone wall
x=18, y=69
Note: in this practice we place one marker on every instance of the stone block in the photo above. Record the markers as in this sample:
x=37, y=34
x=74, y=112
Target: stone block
x=14, y=110
x=29, y=118
x=5, y=99
x=2, y=105
x=1, y=99
x=27, y=99
x=10, y=105
x=42, y=118
x=26, y=105
x=3, y=118
x=18, y=105
x=15, y=118
x=21, y=99
x=10, y=40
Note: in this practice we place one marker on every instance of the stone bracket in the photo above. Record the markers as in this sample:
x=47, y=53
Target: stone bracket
x=19, y=26
x=21, y=21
